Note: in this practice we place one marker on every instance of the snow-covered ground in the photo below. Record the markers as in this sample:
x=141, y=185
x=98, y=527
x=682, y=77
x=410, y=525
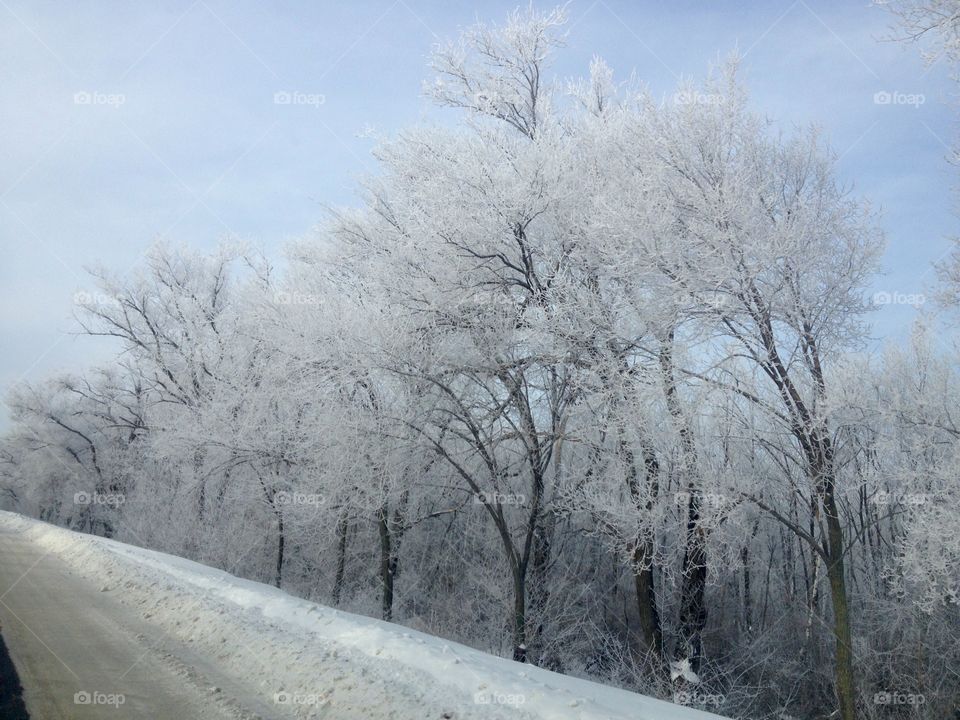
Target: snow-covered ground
x=308, y=660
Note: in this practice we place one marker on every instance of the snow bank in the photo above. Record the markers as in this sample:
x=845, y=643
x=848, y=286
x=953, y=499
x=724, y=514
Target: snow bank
x=314, y=661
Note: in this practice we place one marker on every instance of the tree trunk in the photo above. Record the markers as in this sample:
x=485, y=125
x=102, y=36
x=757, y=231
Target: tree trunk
x=846, y=686
x=540, y=589
x=693, y=610
x=747, y=582
x=280, y=542
x=642, y=553
x=519, y=615
x=341, y=558
x=643, y=582
x=387, y=563
x=198, y=457
x=747, y=599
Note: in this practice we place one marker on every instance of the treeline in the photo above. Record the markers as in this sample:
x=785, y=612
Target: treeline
x=580, y=383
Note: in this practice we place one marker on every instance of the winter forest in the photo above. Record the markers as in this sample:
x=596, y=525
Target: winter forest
x=581, y=382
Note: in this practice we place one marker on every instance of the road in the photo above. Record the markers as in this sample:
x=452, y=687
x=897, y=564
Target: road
x=81, y=654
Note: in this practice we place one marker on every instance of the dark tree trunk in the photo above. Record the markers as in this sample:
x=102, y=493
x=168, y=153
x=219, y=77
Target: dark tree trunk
x=280, y=543
x=693, y=609
x=814, y=438
x=519, y=615
x=643, y=582
x=845, y=681
x=747, y=599
x=642, y=552
x=341, y=558
x=388, y=563
x=540, y=590
x=748, y=582
x=202, y=485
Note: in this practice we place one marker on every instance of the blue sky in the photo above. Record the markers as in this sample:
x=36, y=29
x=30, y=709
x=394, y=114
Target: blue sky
x=198, y=150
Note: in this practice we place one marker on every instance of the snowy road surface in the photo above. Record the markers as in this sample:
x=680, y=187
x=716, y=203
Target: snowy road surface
x=100, y=629
x=77, y=650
